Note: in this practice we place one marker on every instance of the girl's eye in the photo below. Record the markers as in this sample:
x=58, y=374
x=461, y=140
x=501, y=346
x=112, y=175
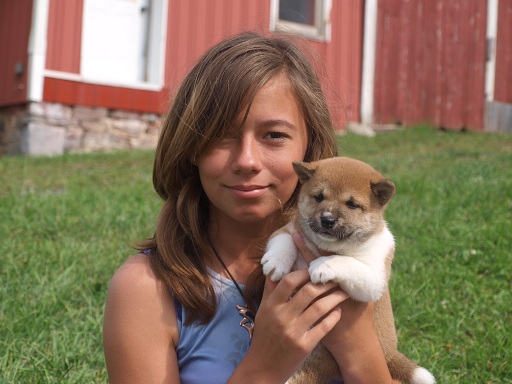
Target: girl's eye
x=319, y=198
x=352, y=205
x=276, y=135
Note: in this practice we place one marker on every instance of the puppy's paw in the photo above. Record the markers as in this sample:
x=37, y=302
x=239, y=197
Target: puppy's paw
x=320, y=272
x=279, y=257
x=273, y=266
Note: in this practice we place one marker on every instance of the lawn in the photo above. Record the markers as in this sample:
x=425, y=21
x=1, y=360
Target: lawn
x=67, y=222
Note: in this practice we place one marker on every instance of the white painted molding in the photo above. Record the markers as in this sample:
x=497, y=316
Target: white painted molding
x=369, y=52
x=37, y=50
x=274, y=10
x=90, y=80
x=491, y=34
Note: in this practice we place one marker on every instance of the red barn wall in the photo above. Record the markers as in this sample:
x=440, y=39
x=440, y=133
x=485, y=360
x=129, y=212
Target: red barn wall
x=186, y=41
x=193, y=26
x=15, y=22
x=430, y=62
x=503, y=79
x=342, y=60
x=196, y=25
x=338, y=61
x=64, y=35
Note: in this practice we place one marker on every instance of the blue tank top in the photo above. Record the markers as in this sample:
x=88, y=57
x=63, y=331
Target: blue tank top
x=209, y=353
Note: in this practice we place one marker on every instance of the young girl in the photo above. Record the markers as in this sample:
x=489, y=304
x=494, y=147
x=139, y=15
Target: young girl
x=223, y=167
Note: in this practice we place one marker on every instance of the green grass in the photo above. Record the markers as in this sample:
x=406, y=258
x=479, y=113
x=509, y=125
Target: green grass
x=452, y=219
x=67, y=222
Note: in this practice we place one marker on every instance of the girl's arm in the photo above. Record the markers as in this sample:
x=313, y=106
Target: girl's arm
x=140, y=327
x=354, y=344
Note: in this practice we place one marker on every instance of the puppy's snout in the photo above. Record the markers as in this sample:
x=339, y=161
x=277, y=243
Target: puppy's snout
x=327, y=220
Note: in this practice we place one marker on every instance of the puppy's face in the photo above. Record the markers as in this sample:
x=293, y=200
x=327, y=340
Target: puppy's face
x=341, y=200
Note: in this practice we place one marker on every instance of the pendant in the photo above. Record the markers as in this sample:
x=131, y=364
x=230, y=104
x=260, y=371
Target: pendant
x=247, y=319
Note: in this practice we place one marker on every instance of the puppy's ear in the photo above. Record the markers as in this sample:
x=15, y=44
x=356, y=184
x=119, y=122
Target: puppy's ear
x=384, y=190
x=304, y=170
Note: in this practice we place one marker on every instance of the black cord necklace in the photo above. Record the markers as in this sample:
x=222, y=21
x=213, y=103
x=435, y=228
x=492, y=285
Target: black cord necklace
x=247, y=315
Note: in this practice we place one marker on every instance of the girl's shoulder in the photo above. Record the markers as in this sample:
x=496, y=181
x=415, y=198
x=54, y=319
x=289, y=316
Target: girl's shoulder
x=139, y=325
x=135, y=290
x=136, y=268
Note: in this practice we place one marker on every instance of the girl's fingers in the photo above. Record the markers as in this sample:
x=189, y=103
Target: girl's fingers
x=286, y=287
x=303, y=298
x=316, y=317
x=310, y=292
x=269, y=287
x=322, y=327
x=323, y=305
x=296, y=290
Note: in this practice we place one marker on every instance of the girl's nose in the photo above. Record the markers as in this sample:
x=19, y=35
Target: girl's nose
x=247, y=156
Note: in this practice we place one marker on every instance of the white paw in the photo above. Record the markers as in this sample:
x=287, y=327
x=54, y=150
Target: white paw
x=279, y=257
x=320, y=272
x=273, y=266
x=355, y=278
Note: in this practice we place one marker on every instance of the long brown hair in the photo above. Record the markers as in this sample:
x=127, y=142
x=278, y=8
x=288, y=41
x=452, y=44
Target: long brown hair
x=219, y=86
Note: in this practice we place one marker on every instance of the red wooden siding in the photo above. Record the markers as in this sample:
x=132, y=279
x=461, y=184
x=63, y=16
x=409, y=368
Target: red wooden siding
x=196, y=25
x=96, y=95
x=430, y=63
x=15, y=22
x=193, y=26
x=64, y=35
x=342, y=60
x=503, y=80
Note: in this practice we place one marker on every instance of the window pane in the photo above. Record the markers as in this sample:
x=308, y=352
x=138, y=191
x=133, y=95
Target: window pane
x=297, y=11
x=114, y=37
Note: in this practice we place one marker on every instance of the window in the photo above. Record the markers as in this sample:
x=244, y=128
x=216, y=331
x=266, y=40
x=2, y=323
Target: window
x=123, y=42
x=308, y=18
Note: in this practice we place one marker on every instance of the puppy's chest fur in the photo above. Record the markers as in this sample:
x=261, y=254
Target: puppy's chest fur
x=361, y=270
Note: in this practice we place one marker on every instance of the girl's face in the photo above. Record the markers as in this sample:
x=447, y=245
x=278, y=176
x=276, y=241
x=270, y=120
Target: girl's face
x=248, y=176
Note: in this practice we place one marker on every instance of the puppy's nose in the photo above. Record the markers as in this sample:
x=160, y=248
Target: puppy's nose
x=328, y=221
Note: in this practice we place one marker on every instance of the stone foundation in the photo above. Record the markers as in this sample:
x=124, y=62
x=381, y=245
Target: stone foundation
x=49, y=129
x=498, y=116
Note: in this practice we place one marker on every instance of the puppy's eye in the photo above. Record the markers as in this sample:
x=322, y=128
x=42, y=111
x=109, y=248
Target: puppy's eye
x=352, y=205
x=320, y=197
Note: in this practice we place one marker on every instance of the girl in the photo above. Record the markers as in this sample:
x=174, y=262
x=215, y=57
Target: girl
x=223, y=167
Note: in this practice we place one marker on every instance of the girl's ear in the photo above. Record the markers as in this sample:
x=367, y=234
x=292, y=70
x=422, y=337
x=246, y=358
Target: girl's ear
x=304, y=170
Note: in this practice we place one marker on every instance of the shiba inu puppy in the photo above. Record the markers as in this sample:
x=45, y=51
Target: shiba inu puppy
x=340, y=213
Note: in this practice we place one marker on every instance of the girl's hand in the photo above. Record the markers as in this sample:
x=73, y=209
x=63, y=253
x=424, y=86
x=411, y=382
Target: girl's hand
x=294, y=315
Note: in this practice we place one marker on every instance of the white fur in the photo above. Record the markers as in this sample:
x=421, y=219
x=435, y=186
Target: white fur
x=358, y=269
x=422, y=376
x=279, y=257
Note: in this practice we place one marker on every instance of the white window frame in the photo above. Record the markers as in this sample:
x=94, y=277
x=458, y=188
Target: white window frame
x=321, y=31
x=157, y=42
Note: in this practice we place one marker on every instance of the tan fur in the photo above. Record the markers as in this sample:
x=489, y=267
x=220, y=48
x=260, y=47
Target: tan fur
x=341, y=214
